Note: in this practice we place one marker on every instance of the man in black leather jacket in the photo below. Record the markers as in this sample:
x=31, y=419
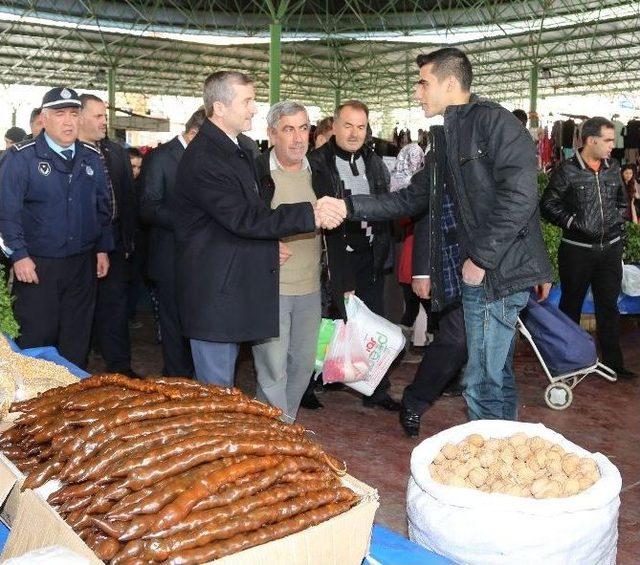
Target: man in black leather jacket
x=586, y=198
x=492, y=174
x=347, y=165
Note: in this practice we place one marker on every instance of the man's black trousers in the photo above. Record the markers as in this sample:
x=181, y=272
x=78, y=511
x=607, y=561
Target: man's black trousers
x=58, y=311
x=176, y=352
x=442, y=361
x=111, y=322
x=601, y=268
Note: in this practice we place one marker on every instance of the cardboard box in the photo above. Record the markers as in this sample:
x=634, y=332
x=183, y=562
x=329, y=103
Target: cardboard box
x=11, y=480
x=343, y=540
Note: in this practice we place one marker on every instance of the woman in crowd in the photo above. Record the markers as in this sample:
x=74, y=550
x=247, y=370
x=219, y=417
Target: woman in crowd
x=633, y=192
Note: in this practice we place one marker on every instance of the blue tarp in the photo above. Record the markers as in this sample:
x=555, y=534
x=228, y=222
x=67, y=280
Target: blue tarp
x=389, y=548
x=51, y=354
x=48, y=354
x=626, y=304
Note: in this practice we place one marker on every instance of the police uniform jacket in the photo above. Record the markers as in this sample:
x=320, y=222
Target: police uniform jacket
x=227, y=242
x=50, y=207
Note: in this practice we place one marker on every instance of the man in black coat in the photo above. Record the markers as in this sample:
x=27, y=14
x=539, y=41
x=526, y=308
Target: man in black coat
x=492, y=226
x=159, y=178
x=348, y=166
x=587, y=199
x=227, y=237
x=111, y=324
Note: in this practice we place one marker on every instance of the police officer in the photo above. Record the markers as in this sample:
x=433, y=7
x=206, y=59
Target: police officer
x=55, y=227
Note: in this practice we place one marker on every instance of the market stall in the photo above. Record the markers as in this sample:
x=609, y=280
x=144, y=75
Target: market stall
x=35, y=523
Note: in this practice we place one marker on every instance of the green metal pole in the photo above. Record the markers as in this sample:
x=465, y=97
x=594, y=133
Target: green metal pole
x=338, y=95
x=533, y=96
x=275, y=29
x=111, y=93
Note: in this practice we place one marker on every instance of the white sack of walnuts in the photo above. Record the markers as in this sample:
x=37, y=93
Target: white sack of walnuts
x=471, y=526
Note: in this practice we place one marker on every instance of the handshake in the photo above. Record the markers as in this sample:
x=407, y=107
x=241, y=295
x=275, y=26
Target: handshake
x=329, y=212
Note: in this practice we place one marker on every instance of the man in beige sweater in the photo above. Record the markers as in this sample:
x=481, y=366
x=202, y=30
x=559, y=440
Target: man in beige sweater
x=284, y=364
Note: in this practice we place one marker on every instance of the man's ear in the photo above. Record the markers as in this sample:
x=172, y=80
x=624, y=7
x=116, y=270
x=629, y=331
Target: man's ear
x=218, y=108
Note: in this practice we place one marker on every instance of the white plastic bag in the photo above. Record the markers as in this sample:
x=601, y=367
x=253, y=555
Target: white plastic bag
x=382, y=341
x=346, y=360
x=474, y=527
x=52, y=555
x=631, y=280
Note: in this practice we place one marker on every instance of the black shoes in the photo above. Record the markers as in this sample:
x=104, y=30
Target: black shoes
x=410, y=422
x=310, y=400
x=387, y=403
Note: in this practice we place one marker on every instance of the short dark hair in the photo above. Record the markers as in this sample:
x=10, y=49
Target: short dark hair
x=34, y=114
x=196, y=120
x=84, y=98
x=593, y=127
x=521, y=115
x=134, y=152
x=357, y=104
x=447, y=62
x=325, y=125
x=15, y=134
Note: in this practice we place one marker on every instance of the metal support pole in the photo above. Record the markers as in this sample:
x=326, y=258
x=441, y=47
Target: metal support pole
x=111, y=94
x=533, y=96
x=338, y=95
x=275, y=29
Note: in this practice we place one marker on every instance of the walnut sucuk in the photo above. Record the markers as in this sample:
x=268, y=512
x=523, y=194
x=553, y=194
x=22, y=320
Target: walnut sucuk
x=523, y=466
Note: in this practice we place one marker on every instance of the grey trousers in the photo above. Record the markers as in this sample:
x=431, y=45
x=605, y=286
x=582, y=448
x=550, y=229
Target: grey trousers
x=284, y=364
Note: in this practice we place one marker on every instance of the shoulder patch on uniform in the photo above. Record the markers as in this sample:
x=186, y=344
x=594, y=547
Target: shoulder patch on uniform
x=24, y=144
x=92, y=147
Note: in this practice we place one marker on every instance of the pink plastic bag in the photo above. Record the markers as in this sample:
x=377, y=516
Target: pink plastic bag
x=346, y=360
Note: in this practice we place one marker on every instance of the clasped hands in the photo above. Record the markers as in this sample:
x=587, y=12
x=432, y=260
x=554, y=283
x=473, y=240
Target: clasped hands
x=329, y=212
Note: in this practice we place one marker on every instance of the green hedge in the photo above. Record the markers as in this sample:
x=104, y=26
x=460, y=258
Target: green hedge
x=553, y=234
x=8, y=324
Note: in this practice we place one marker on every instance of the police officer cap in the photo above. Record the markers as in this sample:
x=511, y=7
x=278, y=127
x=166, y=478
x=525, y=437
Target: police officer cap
x=61, y=97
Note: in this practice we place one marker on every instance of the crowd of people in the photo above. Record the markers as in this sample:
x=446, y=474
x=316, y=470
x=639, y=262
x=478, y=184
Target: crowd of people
x=243, y=246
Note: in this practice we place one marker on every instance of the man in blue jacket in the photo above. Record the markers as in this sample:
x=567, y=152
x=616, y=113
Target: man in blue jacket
x=55, y=227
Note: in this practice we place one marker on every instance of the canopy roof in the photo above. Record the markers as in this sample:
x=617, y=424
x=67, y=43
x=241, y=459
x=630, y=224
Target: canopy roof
x=361, y=49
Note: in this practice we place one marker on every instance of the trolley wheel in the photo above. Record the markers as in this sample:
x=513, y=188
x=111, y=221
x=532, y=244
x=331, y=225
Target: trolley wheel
x=558, y=396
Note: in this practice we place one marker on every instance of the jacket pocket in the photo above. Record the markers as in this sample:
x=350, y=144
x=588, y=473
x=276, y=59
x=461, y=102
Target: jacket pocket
x=582, y=194
x=481, y=151
x=517, y=262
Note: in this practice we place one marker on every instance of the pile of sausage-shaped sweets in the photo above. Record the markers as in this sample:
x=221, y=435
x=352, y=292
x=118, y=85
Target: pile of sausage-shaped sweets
x=169, y=470
x=518, y=465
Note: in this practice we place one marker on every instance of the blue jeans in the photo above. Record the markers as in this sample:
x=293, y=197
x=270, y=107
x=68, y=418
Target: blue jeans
x=214, y=362
x=489, y=381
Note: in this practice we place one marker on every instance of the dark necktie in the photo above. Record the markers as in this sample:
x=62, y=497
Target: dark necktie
x=67, y=153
